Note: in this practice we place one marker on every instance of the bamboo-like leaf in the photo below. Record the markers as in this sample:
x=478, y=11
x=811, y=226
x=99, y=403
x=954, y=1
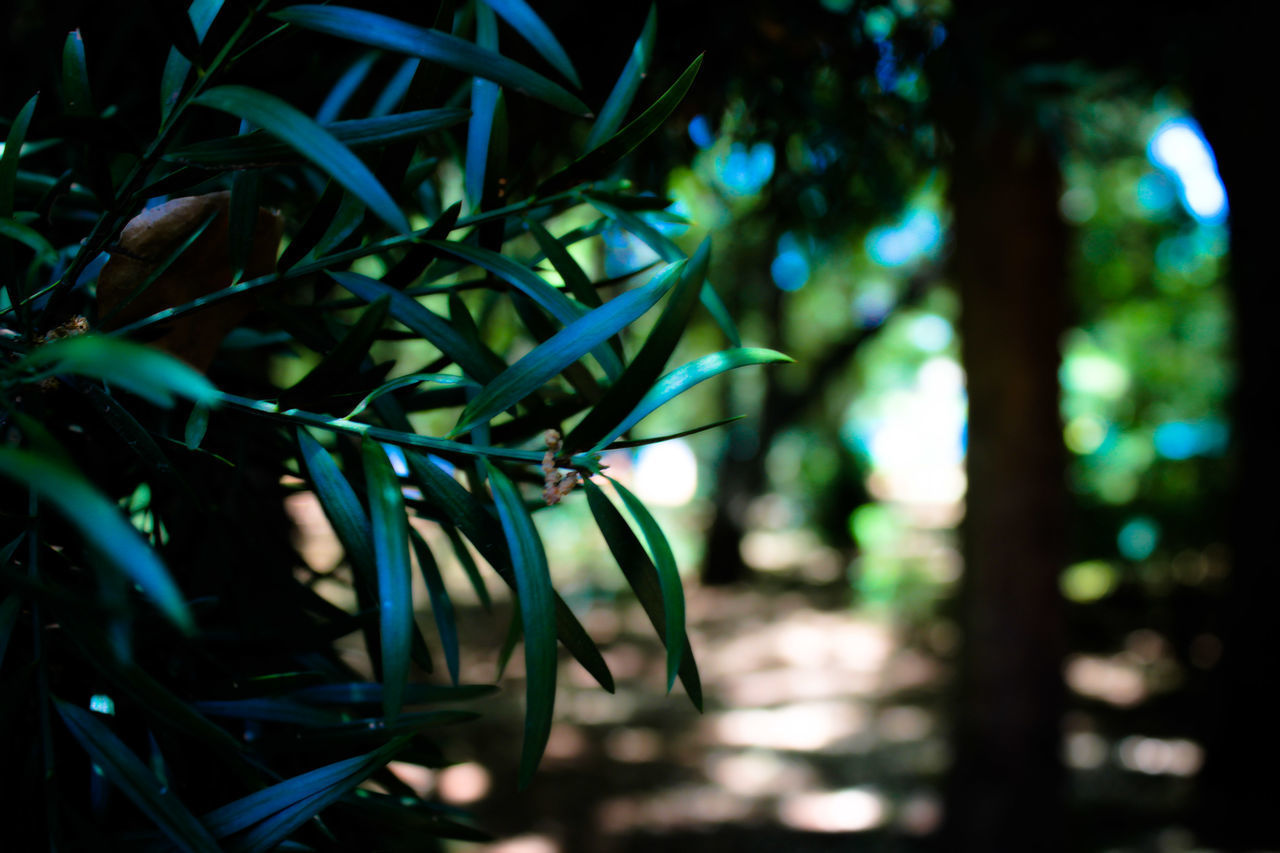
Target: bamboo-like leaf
x=339, y=502
x=29, y=237
x=197, y=426
x=261, y=149
x=317, y=789
x=102, y=526
x=177, y=67
x=624, y=91
x=242, y=221
x=415, y=261
x=531, y=28
x=12, y=151
x=563, y=349
x=441, y=606
x=537, y=613
x=469, y=567
x=647, y=366
x=76, y=100
x=595, y=161
x=668, y=576
x=574, y=278
x=151, y=374
x=405, y=381
x=391, y=552
x=433, y=328
x=685, y=377
x=269, y=709
x=484, y=103
x=127, y=772
x=346, y=86
x=532, y=285
x=642, y=576
x=390, y=34
x=669, y=251
x=474, y=521
x=300, y=132
x=344, y=359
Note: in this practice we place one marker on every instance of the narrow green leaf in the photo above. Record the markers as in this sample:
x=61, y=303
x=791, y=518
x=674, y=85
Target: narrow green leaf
x=127, y=772
x=197, y=426
x=103, y=527
x=151, y=374
x=531, y=28
x=441, y=606
x=685, y=377
x=317, y=789
x=595, y=162
x=642, y=576
x=346, y=86
x=469, y=568
x=404, y=382
x=395, y=591
x=532, y=285
x=76, y=100
x=658, y=439
x=475, y=522
x=344, y=360
x=563, y=349
x=669, y=251
x=339, y=502
x=415, y=261
x=537, y=613
x=388, y=33
x=668, y=576
x=269, y=709
x=242, y=220
x=432, y=327
x=574, y=278
x=484, y=103
x=29, y=237
x=301, y=133
x=177, y=67
x=649, y=363
x=12, y=152
x=261, y=149
x=624, y=91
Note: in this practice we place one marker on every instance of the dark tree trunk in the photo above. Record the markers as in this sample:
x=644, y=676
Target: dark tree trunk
x=1237, y=790
x=1010, y=265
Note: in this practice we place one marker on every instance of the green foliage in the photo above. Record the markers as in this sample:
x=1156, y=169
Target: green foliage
x=167, y=659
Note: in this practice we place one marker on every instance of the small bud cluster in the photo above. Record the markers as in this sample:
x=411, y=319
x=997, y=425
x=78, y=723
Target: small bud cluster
x=556, y=485
x=77, y=325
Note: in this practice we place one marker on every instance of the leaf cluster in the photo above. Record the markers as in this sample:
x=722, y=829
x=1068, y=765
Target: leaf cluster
x=169, y=379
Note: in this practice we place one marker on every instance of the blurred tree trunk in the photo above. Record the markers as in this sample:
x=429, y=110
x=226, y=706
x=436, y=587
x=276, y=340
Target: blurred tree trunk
x=1010, y=267
x=1237, y=798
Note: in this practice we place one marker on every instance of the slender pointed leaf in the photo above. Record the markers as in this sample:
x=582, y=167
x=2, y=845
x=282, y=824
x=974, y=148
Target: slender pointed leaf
x=669, y=251
x=537, y=613
x=624, y=91
x=391, y=552
x=647, y=366
x=344, y=359
x=128, y=773
x=532, y=285
x=177, y=67
x=317, y=789
x=441, y=606
x=262, y=149
x=484, y=102
x=76, y=100
x=151, y=374
x=242, y=220
x=668, y=576
x=346, y=86
x=469, y=567
x=405, y=381
x=683, y=378
x=369, y=693
x=475, y=522
x=300, y=132
x=380, y=31
x=563, y=349
x=102, y=526
x=594, y=162
x=269, y=709
x=642, y=576
x=432, y=327
x=31, y=238
x=531, y=28
x=12, y=151
x=393, y=94
x=339, y=502
x=574, y=278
